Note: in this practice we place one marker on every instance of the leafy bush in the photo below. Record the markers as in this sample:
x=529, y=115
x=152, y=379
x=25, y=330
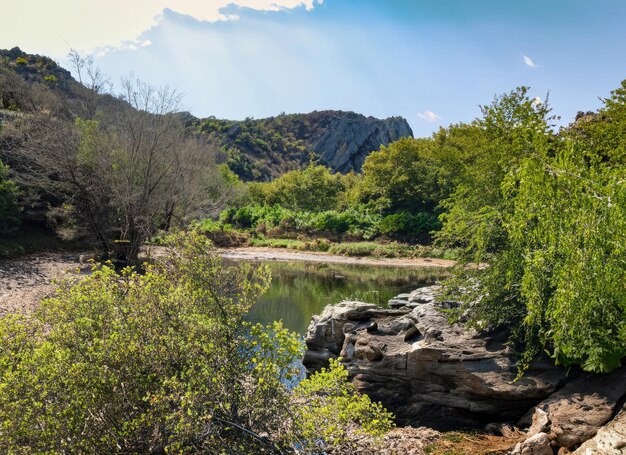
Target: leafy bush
x=161, y=362
x=418, y=226
x=331, y=416
x=21, y=61
x=279, y=243
x=353, y=249
x=164, y=362
x=548, y=216
x=223, y=235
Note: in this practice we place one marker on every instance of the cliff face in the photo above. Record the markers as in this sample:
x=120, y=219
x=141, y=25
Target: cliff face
x=266, y=148
x=345, y=139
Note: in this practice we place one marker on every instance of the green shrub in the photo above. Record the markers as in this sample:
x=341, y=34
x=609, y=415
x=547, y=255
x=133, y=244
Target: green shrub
x=21, y=61
x=353, y=249
x=323, y=428
x=164, y=362
x=279, y=243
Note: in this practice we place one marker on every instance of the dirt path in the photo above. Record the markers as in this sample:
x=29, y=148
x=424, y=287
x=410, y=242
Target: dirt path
x=25, y=281
x=275, y=254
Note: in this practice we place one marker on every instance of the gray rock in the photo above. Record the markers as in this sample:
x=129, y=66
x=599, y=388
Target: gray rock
x=539, y=444
x=575, y=413
x=610, y=439
x=425, y=370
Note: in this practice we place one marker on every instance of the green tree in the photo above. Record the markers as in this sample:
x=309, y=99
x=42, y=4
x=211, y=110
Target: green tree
x=551, y=228
x=404, y=176
x=9, y=207
x=314, y=189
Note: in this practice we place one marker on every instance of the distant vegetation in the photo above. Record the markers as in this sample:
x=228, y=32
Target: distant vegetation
x=263, y=149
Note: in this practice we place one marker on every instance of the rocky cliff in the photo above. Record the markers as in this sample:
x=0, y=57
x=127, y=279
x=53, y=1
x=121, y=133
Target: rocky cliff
x=266, y=148
x=440, y=375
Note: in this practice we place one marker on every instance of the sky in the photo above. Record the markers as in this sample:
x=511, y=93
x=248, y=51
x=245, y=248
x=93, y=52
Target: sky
x=433, y=62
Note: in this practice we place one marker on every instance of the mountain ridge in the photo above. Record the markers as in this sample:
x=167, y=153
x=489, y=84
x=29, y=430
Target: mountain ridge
x=255, y=149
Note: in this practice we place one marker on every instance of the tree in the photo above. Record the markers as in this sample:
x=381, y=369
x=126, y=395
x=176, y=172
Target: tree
x=9, y=207
x=546, y=234
x=133, y=171
x=314, y=189
x=403, y=176
x=164, y=362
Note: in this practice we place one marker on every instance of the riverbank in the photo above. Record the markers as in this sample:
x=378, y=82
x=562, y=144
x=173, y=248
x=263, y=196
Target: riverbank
x=286, y=255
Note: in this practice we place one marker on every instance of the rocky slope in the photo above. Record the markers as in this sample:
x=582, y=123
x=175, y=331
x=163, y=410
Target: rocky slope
x=434, y=374
x=266, y=148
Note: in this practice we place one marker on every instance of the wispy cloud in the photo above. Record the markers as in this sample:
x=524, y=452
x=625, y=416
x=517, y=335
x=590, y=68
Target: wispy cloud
x=87, y=25
x=429, y=116
x=529, y=62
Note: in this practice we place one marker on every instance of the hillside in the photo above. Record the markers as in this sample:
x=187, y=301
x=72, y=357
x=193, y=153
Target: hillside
x=257, y=150
x=266, y=148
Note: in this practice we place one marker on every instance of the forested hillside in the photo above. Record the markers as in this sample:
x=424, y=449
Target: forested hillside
x=263, y=149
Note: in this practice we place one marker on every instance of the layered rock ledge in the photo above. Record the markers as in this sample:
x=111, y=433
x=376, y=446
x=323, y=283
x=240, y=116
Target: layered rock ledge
x=427, y=371
x=445, y=376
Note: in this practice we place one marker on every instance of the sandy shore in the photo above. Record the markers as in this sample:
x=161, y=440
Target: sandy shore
x=25, y=281
x=276, y=254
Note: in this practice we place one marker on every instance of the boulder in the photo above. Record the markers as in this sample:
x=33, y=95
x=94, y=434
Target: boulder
x=610, y=439
x=538, y=444
x=427, y=371
x=575, y=413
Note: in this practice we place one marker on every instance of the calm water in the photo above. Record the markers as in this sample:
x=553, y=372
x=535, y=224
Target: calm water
x=300, y=290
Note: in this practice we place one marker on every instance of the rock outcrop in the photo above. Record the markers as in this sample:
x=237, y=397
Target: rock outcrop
x=575, y=413
x=427, y=371
x=347, y=138
x=610, y=440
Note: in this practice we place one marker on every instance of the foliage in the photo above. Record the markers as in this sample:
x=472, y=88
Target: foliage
x=331, y=415
x=404, y=176
x=9, y=207
x=162, y=362
x=313, y=189
x=550, y=224
x=279, y=243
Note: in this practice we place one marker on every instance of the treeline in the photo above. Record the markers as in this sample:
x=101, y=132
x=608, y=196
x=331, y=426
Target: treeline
x=396, y=197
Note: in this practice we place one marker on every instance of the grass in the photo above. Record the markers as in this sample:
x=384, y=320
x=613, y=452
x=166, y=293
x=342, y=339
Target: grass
x=356, y=249
x=278, y=243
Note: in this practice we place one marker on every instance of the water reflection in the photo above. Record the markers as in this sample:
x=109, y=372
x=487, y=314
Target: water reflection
x=299, y=290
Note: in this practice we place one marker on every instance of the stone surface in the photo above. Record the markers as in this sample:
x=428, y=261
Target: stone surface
x=425, y=370
x=538, y=444
x=610, y=440
x=575, y=413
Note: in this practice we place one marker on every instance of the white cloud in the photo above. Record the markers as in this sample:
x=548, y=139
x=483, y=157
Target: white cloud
x=429, y=116
x=529, y=62
x=52, y=27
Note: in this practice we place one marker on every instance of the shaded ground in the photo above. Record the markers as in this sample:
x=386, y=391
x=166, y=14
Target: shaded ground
x=273, y=254
x=26, y=280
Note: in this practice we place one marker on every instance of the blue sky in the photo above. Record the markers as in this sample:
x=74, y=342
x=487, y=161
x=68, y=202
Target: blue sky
x=432, y=62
